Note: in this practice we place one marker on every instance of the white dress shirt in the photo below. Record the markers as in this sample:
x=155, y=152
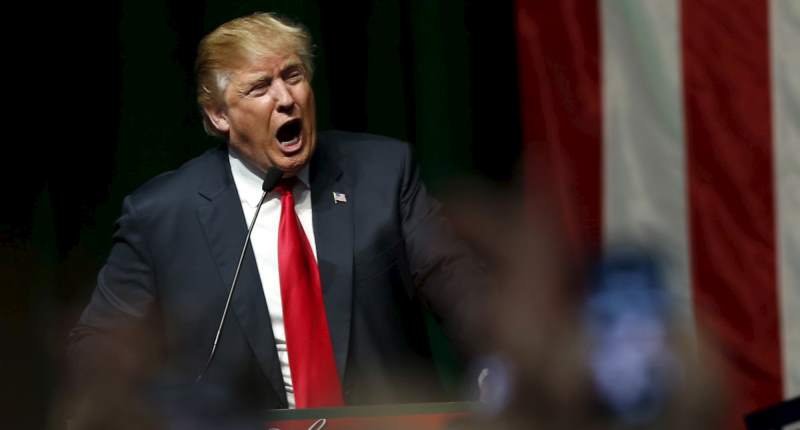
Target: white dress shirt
x=264, y=240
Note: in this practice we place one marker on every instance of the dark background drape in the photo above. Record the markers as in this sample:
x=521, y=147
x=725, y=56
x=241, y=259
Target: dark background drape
x=108, y=102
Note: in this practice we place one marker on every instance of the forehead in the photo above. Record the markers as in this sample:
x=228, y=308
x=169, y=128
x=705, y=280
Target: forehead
x=263, y=65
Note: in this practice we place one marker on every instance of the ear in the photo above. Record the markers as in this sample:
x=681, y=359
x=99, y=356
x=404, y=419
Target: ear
x=218, y=118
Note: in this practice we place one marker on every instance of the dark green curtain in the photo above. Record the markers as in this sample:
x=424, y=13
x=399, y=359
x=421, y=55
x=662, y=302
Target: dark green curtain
x=120, y=108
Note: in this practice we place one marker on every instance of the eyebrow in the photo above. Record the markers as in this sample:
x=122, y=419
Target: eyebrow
x=292, y=65
x=267, y=78
x=259, y=79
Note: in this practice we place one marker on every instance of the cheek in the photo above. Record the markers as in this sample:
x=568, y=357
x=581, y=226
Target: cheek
x=304, y=97
x=256, y=111
x=310, y=102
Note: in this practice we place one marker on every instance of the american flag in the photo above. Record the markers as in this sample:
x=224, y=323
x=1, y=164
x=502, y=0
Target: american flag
x=678, y=122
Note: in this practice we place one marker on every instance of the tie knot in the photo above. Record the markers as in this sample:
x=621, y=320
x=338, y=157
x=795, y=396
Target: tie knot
x=285, y=186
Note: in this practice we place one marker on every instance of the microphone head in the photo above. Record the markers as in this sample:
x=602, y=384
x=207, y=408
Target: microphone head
x=271, y=179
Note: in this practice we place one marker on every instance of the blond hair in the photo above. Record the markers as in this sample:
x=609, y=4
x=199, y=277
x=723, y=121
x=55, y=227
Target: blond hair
x=239, y=41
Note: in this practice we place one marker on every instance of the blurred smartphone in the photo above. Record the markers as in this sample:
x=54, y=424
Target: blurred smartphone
x=627, y=318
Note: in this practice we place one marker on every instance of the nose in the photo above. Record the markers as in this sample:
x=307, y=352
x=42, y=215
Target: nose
x=283, y=97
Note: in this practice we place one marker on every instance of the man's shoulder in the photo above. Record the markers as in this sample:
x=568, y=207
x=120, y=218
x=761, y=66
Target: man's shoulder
x=170, y=188
x=370, y=143
x=364, y=149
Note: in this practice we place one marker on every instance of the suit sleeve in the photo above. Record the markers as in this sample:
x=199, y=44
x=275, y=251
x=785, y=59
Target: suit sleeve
x=448, y=277
x=113, y=335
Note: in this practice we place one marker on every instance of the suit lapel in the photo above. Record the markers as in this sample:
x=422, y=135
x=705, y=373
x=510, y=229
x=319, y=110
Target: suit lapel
x=220, y=213
x=333, y=231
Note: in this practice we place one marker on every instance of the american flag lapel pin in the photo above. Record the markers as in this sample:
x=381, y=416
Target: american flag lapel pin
x=339, y=198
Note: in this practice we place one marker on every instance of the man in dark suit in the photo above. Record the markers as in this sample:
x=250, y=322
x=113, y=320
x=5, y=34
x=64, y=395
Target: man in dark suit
x=381, y=249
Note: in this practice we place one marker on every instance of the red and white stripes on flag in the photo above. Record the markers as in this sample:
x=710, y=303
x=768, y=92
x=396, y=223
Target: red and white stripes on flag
x=678, y=122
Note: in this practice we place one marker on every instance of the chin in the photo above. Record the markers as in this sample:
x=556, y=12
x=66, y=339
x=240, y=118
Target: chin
x=292, y=166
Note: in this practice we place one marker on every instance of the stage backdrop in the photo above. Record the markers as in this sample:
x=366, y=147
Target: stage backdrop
x=111, y=104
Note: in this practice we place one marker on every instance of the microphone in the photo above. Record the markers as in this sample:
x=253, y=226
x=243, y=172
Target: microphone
x=270, y=181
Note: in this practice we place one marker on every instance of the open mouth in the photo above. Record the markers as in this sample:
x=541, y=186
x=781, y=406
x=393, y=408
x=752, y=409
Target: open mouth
x=289, y=133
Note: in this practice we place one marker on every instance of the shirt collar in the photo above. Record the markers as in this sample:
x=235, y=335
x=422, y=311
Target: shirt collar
x=248, y=178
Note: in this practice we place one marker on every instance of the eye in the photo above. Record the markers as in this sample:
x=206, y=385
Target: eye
x=293, y=75
x=259, y=88
x=257, y=91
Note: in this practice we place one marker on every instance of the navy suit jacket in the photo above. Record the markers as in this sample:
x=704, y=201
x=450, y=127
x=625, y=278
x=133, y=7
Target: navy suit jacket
x=383, y=256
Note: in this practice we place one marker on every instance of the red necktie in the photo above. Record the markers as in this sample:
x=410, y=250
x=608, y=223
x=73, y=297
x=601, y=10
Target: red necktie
x=314, y=377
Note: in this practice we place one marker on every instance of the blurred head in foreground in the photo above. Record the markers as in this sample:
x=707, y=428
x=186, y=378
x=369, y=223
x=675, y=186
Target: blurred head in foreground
x=572, y=342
